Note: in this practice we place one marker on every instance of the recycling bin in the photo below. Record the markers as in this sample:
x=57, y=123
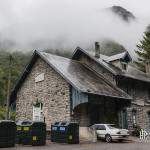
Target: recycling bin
x=65, y=132
x=55, y=132
x=21, y=131
x=7, y=133
x=38, y=133
x=18, y=134
x=31, y=133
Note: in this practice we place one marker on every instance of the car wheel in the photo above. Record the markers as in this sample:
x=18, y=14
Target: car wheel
x=98, y=138
x=108, y=138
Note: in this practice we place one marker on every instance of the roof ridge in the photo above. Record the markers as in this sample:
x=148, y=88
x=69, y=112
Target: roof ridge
x=93, y=58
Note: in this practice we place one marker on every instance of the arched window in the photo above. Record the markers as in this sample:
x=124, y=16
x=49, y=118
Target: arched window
x=134, y=117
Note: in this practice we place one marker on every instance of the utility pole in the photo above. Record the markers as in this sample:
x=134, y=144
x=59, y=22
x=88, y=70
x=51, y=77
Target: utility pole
x=8, y=86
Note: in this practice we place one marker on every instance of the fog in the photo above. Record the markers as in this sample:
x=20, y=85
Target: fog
x=66, y=24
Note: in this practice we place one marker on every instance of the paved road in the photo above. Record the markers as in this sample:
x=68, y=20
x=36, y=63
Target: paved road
x=87, y=146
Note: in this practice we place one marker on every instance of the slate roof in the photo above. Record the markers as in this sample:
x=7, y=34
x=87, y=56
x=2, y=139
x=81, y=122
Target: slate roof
x=118, y=56
x=76, y=74
x=111, y=58
x=81, y=77
x=132, y=72
x=104, y=57
x=78, y=51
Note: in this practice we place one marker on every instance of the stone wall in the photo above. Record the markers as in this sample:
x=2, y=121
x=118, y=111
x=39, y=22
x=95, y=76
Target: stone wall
x=53, y=92
x=81, y=115
x=142, y=119
x=140, y=103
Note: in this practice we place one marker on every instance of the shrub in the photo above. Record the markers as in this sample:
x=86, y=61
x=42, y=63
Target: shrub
x=136, y=130
x=3, y=113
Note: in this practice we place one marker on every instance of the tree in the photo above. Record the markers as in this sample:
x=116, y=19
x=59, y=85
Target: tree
x=18, y=64
x=143, y=51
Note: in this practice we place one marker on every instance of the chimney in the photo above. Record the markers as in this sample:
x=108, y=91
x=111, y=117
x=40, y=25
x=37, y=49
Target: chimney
x=97, y=50
x=147, y=67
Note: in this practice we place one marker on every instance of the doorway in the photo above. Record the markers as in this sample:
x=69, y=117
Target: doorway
x=123, y=119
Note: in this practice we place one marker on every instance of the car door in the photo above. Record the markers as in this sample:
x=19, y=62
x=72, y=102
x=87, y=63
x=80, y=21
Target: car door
x=101, y=131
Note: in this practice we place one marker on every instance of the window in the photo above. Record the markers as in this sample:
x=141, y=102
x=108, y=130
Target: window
x=124, y=65
x=148, y=119
x=100, y=127
x=134, y=117
x=111, y=127
x=148, y=95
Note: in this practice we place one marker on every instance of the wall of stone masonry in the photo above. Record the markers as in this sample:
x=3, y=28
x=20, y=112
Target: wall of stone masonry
x=141, y=116
x=53, y=92
x=140, y=103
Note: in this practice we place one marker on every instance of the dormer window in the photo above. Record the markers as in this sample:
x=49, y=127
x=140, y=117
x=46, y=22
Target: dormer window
x=124, y=65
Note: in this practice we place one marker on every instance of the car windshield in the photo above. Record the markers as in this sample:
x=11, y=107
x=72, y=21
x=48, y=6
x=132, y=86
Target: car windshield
x=111, y=126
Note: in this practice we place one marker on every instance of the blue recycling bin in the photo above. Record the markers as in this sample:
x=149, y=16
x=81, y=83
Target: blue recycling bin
x=65, y=132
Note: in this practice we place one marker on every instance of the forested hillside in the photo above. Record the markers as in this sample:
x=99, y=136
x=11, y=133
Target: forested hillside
x=19, y=60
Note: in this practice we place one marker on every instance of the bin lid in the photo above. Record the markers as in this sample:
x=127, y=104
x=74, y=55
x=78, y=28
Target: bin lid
x=7, y=121
x=63, y=123
x=56, y=123
x=68, y=123
x=23, y=122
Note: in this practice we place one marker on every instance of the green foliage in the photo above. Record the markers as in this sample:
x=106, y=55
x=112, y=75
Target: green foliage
x=18, y=63
x=136, y=130
x=3, y=113
x=143, y=51
x=12, y=115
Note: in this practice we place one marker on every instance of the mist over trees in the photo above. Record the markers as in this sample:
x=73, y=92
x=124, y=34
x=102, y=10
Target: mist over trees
x=123, y=13
x=110, y=47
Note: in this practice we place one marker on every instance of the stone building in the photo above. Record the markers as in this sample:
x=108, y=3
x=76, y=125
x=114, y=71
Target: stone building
x=88, y=88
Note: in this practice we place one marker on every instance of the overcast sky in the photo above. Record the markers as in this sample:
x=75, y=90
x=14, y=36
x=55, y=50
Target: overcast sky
x=70, y=23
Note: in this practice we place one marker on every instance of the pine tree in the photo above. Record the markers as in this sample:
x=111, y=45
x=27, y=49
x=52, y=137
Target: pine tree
x=143, y=51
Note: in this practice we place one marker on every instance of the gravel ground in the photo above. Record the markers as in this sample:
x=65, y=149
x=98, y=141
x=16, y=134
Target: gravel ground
x=88, y=146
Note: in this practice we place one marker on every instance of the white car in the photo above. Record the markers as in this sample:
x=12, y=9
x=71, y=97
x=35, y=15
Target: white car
x=109, y=132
